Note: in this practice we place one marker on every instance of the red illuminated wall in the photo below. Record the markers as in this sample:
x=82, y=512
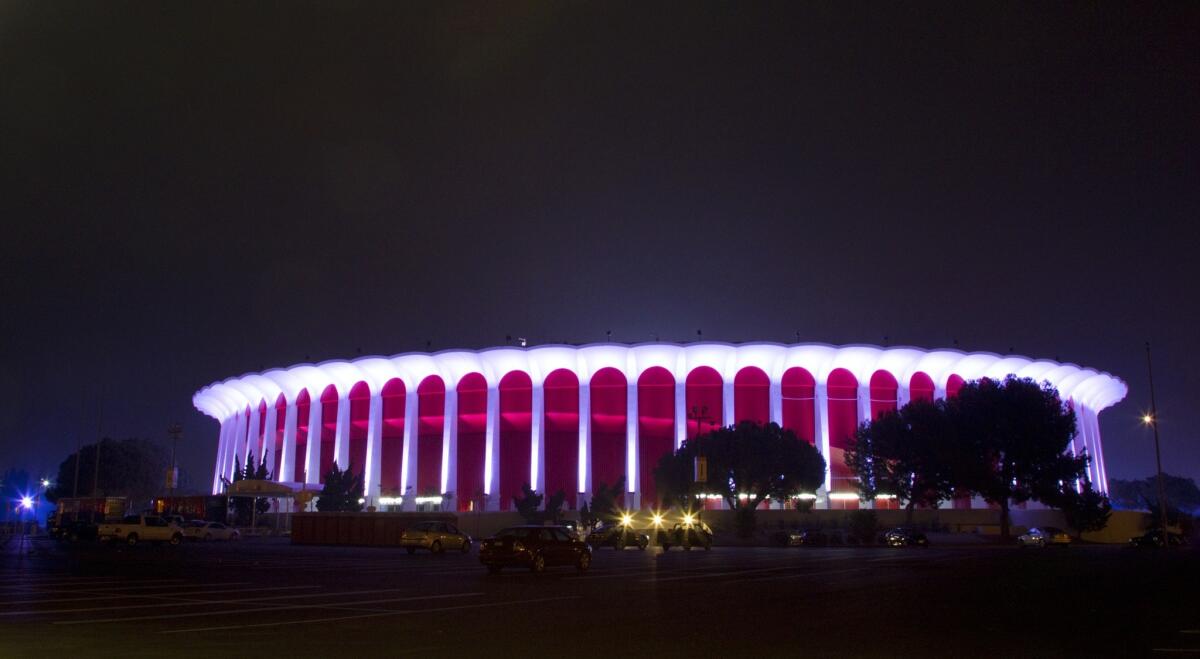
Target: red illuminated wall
x=798, y=389
x=953, y=384
x=472, y=440
x=329, y=410
x=843, y=421
x=751, y=396
x=360, y=412
x=391, y=439
x=704, y=396
x=258, y=441
x=561, y=398
x=431, y=412
x=883, y=393
x=302, y=410
x=656, y=426
x=516, y=435
x=609, y=411
x=920, y=387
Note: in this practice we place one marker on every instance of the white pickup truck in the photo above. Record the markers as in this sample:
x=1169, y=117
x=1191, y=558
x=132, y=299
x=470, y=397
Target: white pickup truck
x=133, y=529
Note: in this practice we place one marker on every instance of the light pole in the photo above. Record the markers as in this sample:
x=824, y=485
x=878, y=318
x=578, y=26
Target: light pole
x=174, y=430
x=1151, y=419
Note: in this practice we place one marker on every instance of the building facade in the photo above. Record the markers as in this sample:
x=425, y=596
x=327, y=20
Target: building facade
x=466, y=430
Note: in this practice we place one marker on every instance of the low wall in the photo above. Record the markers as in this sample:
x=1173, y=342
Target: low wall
x=361, y=529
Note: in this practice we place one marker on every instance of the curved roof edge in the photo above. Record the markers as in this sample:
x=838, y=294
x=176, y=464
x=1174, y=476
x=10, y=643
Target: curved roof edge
x=1093, y=389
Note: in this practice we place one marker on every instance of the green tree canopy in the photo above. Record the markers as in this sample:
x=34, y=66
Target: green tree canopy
x=749, y=458
x=910, y=453
x=1016, y=433
x=133, y=468
x=342, y=491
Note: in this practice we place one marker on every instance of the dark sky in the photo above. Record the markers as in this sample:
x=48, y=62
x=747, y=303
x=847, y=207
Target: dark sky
x=191, y=191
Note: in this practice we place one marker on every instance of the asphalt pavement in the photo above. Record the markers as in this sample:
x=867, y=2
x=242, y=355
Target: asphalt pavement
x=267, y=598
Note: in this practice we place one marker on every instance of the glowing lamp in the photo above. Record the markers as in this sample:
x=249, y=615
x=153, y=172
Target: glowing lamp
x=27, y=502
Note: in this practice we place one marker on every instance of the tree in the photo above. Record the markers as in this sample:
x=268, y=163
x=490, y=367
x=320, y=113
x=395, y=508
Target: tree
x=746, y=464
x=604, y=504
x=1086, y=510
x=133, y=468
x=528, y=503
x=1136, y=494
x=342, y=491
x=245, y=508
x=554, y=506
x=1017, y=433
x=910, y=453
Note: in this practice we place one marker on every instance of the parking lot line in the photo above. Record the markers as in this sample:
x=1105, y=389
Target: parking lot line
x=374, y=614
x=777, y=577
x=107, y=589
x=268, y=607
x=156, y=595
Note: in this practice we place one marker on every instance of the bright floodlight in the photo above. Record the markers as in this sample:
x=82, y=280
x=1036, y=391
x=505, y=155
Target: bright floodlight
x=1147, y=419
x=688, y=519
x=658, y=519
x=45, y=482
x=626, y=519
x=27, y=502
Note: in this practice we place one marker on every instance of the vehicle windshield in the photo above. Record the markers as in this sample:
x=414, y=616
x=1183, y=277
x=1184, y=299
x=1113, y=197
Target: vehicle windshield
x=197, y=523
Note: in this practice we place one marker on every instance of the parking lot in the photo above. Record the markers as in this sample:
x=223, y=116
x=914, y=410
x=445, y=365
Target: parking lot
x=269, y=598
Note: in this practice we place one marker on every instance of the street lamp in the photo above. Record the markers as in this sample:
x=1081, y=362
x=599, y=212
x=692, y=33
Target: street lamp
x=1151, y=420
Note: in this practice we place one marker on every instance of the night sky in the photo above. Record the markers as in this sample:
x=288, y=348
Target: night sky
x=192, y=191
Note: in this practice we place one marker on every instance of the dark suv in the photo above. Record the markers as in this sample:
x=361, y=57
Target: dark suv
x=618, y=536
x=696, y=534
x=534, y=547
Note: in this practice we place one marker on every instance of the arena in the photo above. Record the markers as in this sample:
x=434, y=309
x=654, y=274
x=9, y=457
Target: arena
x=465, y=430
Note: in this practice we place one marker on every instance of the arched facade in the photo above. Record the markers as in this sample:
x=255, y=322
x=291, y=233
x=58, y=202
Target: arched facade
x=481, y=424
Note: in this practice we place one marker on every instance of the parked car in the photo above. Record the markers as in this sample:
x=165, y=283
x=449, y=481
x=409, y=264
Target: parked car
x=437, y=537
x=1043, y=537
x=1153, y=538
x=905, y=537
x=787, y=538
x=813, y=538
x=572, y=527
x=687, y=535
x=618, y=536
x=141, y=528
x=198, y=529
x=534, y=547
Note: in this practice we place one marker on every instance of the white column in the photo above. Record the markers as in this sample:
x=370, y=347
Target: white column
x=1094, y=419
x=681, y=411
x=632, y=485
x=491, y=458
x=408, y=468
x=537, y=471
x=237, y=457
x=374, y=447
x=821, y=419
x=253, y=439
x=269, y=434
x=222, y=445
x=727, y=409
x=450, y=446
x=584, y=484
x=341, y=433
x=775, y=394
x=864, y=415
x=312, y=460
x=287, y=458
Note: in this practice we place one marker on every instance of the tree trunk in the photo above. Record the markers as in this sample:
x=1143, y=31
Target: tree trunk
x=1004, y=530
x=908, y=514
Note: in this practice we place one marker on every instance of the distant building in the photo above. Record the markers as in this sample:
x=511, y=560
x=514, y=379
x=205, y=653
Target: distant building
x=464, y=430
